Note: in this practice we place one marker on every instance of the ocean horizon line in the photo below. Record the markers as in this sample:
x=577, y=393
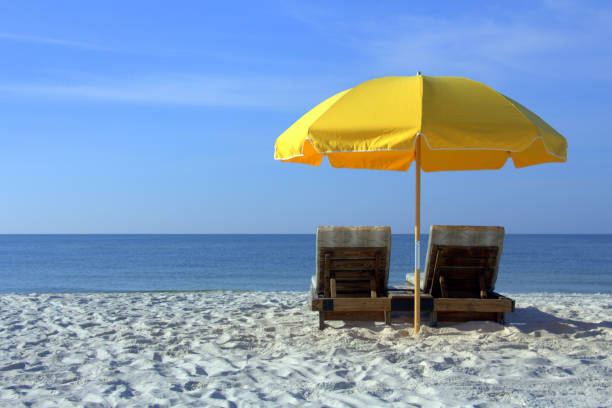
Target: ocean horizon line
x=257, y=233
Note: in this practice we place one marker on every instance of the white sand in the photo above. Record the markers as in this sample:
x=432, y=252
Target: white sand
x=254, y=349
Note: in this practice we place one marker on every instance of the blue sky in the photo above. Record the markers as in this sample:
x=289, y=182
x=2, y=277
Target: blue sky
x=161, y=117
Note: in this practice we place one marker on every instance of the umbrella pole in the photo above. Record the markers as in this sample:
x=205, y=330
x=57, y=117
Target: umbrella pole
x=417, y=239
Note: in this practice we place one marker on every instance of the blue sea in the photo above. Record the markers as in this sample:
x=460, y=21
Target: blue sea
x=109, y=263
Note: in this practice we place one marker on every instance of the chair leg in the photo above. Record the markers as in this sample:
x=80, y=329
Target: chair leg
x=387, y=318
x=321, y=320
x=500, y=318
x=433, y=319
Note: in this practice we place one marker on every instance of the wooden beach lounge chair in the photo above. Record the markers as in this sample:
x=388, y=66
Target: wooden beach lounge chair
x=352, y=271
x=461, y=270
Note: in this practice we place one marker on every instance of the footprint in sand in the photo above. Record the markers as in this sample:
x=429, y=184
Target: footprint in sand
x=192, y=385
x=128, y=392
x=14, y=366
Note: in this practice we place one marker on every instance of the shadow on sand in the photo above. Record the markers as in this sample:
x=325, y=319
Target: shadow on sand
x=531, y=319
x=526, y=320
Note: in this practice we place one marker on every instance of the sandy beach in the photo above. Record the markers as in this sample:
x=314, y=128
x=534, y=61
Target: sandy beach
x=255, y=348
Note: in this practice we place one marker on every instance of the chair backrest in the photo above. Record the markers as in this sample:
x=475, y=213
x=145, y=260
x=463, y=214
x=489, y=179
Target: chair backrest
x=466, y=257
x=353, y=255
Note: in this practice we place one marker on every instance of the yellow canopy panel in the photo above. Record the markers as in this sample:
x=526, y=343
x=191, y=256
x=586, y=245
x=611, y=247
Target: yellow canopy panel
x=465, y=125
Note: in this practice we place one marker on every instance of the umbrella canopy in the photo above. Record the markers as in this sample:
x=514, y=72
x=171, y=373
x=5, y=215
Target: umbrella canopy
x=441, y=123
x=464, y=124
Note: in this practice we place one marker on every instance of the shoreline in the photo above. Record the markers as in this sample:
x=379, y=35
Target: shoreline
x=254, y=348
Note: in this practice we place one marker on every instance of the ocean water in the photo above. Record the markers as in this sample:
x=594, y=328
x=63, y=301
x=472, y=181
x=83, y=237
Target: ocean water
x=107, y=263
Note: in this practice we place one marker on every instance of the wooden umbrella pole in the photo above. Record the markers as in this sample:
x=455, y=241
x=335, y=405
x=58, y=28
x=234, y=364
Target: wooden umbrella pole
x=417, y=239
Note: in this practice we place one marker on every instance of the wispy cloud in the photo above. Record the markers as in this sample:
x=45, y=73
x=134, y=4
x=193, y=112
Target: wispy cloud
x=265, y=92
x=490, y=47
x=33, y=39
x=280, y=92
x=467, y=46
x=140, y=49
x=552, y=39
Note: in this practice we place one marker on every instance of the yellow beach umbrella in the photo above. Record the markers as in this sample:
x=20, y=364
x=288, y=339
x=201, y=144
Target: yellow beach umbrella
x=441, y=123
